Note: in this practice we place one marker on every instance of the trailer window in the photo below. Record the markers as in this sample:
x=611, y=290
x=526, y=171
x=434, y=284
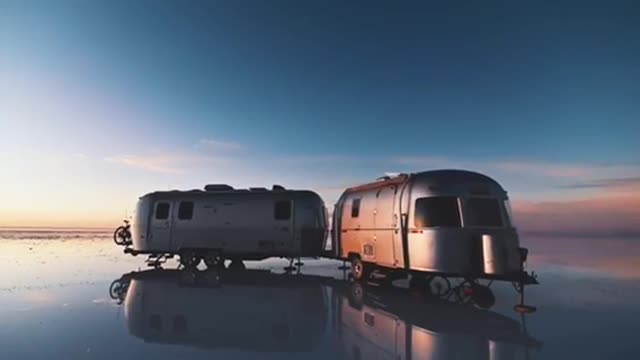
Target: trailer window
x=282, y=210
x=162, y=211
x=482, y=212
x=355, y=208
x=437, y=211
x=185, y=211
x=508, y=213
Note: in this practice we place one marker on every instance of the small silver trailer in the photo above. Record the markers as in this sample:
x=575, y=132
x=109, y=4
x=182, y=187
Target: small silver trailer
x=221, y=222
x=433, y=225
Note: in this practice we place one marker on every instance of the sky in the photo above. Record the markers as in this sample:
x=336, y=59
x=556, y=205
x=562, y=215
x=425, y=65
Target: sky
x=101, y=102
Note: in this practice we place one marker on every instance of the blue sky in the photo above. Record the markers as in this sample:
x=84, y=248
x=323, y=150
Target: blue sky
x=134, y=96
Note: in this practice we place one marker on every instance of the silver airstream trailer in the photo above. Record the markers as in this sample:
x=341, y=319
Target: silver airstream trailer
x=432, y=224
x=221, y=222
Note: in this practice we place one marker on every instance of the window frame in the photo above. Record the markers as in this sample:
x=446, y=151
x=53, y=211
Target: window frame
x=157, y=207
x=191, y=212
x=355, y=207
x=469, y=214
x=276, y=210
x=459, y=213
x=508, y=213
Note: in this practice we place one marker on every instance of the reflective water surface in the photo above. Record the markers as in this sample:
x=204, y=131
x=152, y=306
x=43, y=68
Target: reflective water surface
x=80, y=298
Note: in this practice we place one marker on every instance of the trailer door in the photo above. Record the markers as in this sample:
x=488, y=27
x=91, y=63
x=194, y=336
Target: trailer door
x=160, y=238
x=385, y=229
x=283, y=218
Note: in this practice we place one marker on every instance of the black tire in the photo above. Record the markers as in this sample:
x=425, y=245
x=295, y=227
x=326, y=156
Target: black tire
x=122, y=235
x=189, y=258
x=356, y=295
x=483, y=296
x=359, y=270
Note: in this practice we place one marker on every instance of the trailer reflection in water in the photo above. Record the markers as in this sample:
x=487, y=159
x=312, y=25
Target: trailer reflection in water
x=264, y=312
x=249, y=313
x=388, y=325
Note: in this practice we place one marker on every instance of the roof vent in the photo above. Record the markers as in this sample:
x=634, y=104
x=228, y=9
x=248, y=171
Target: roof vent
x=277, y=188
x=257, y=189
x=217, y=187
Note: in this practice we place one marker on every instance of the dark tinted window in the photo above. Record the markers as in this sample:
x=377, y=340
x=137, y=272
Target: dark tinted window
x=162, y=211
x=355, y=208
x=482, y=212
x=185, y=211
x=437, y=211
x=282, y=210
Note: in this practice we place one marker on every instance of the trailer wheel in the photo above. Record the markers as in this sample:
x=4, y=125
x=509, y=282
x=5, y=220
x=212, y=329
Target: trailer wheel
x=356, y=295
x=189, y=258
x=359, y=270
x=483, y=296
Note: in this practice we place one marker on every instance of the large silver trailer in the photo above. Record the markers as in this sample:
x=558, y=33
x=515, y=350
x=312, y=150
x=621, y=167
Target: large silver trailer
x=447, y=223
x=220, y=223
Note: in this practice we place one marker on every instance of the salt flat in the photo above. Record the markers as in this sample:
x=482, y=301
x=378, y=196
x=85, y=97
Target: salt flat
x=55, y=303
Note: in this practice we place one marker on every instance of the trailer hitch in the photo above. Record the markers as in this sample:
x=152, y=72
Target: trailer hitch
x=525, y=279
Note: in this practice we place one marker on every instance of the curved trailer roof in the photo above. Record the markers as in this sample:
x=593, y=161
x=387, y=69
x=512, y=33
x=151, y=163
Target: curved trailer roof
x=439, y=180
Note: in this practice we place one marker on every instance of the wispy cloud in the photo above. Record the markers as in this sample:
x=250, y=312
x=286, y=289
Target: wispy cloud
x=173, y=163
x=316, y=159
x=212, y=152
x=156, y=163
x=212, y=144
x=427, y=161
x=617, y=183
x=555, y=170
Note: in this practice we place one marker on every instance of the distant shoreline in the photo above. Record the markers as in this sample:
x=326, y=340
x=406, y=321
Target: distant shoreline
x=617, y=235
x=54, y=229
x=525, y=233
